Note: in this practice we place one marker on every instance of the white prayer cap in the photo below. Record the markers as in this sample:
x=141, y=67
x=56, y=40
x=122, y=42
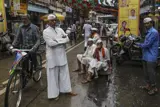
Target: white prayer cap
x=146, y=20
x=90, y=39
x=68, y=28
x=88, y=21
x=51, y=17
x=99, y=41
x=94, y=29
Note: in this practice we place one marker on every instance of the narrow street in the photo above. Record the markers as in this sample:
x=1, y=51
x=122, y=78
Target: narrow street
x=89, y=95
x=129, y=29
x=123, y=90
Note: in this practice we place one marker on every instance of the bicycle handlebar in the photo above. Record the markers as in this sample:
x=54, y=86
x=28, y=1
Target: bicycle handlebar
x=21, y=50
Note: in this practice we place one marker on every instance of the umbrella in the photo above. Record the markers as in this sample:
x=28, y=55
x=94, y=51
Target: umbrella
x=59, y=17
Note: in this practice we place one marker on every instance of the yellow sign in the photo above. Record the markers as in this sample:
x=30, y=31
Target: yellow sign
x=3, y=24
x=19, y=6
x=128, y=18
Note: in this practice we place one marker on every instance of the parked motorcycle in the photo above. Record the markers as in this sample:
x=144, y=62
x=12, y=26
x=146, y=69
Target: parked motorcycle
x=4, y=39
x=126, y=49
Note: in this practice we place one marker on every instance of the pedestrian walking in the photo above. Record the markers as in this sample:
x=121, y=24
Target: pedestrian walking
x=58, y=78
x=150, y=54
x=73, y=33
x=87, y=32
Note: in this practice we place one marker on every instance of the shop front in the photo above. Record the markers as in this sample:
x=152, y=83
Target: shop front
x=36, y=12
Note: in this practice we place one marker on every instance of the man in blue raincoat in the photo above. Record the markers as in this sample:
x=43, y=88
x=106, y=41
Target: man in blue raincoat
x=150, y=55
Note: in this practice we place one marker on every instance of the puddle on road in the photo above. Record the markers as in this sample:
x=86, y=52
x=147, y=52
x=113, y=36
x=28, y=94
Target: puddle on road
x=97, y=91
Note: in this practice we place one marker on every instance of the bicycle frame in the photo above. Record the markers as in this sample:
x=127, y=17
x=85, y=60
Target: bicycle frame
x=18, y=58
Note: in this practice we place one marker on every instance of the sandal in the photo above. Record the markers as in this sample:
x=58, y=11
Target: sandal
x=86, y=81
x=146, y=88
x=72, y=94
x=153, y=91
x=80, y=73
x=77, y=70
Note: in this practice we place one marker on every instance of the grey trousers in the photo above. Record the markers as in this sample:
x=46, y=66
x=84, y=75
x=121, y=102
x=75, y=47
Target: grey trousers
x=150, y=72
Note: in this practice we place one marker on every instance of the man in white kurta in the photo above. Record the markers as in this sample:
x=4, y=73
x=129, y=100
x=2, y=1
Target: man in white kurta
x=101, y=61
x=87, y=32
x=95, y=36
x=84, y=59
x=58, y=78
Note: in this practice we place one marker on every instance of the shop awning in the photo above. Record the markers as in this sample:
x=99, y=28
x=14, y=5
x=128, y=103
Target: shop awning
x=59, y=16
x=35, y=8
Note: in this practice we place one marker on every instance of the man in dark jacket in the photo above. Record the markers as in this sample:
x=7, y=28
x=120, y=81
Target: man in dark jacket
x=28, y=37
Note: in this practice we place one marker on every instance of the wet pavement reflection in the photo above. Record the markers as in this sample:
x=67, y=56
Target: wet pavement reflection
x=128, y=79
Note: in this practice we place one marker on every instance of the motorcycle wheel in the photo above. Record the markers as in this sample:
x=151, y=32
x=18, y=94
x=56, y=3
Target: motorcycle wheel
x=119, y=61
x=158, y=63
x=114, y=52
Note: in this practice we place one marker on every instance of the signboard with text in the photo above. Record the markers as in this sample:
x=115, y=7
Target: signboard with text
x=128, y=18
x=19, y=6
x=3, y=25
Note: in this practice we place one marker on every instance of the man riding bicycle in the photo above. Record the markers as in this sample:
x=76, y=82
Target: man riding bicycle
x=27, y=38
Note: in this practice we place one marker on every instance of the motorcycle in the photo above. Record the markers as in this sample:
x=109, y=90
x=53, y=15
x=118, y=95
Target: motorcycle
x=126, y=49
x=5, y=38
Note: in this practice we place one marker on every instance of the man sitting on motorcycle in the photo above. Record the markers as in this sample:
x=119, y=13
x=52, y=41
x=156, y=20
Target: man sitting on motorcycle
x=28, y=37
x=101, y=61
x=84, y=59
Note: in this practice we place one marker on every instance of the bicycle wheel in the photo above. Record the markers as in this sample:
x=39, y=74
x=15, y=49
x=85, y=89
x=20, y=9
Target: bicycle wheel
x=38, y=73
x=13, y=93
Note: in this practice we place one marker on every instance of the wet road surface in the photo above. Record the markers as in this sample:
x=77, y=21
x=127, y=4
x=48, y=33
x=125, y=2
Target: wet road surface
x=89, y=95
x=123, y=90
x=129, y=77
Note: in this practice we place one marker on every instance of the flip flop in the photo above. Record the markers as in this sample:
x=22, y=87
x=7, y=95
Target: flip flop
x=86, y=81
x=80, y=73
x=144, y=88
x=76, y=70
x=72, y=94
x=153, y=92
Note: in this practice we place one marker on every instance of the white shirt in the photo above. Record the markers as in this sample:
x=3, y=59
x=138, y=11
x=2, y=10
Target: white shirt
x=90, y=51
x=96, y=37
x=55, y=48
x=107, y=56
x=87, y=29
x=73, y=28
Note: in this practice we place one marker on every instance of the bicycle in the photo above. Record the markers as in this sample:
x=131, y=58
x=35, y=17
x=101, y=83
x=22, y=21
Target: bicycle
x=18, y=75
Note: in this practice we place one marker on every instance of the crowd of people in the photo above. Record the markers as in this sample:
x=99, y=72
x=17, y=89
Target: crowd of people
x=95, y=58
x=58, y=78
